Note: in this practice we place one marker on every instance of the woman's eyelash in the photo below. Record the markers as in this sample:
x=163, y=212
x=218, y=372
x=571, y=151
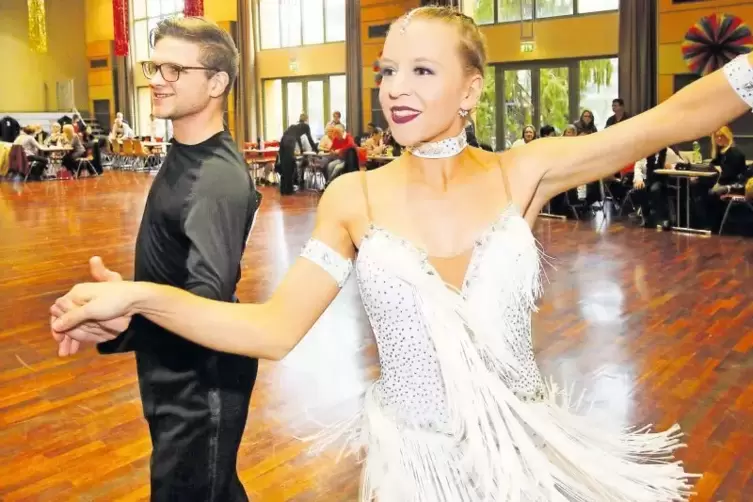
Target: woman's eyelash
x=419, y=70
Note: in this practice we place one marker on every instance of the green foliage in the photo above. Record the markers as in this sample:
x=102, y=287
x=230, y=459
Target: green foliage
x=486, y=112
x=554, y=99
x=509, y=10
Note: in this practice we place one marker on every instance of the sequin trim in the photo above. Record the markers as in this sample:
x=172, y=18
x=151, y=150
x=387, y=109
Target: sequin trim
x=740, y=76
x=441, y=149
x=327, y=258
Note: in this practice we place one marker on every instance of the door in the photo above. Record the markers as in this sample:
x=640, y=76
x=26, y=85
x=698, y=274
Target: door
x=102, y=114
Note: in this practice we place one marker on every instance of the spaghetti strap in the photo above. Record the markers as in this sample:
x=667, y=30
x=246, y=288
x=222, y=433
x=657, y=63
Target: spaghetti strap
x=505, y=181
x=365, y=186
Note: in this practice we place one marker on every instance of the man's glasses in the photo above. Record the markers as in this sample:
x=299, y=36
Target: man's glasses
x=169, y=71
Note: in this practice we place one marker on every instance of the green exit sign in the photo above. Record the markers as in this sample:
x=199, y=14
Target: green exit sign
x=527, y=46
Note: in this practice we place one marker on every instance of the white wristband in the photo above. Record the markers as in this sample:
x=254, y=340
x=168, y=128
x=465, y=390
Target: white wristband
x=739, y=74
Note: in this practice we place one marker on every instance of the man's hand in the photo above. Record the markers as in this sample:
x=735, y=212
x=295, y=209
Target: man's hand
x=639, y=184
x=92, y=332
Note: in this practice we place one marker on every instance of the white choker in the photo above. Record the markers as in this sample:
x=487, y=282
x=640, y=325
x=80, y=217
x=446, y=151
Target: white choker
x=448, y=147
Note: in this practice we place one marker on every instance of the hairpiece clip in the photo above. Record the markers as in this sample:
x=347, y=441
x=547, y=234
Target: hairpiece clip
x=406, y=21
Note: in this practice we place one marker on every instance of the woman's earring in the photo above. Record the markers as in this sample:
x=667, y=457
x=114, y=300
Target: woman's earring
x=463, y=113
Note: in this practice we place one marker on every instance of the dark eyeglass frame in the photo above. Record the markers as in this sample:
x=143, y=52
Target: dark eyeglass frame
x=178, y=68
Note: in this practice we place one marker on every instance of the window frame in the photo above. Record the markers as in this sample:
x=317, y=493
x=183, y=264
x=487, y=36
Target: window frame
x=573, y=66
x=534, y=17
x=280, y=27
x=325, y=77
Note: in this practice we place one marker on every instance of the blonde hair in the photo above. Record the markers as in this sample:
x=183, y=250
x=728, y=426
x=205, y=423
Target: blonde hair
x=68, y=132
x=727, y=133
x=472, y=45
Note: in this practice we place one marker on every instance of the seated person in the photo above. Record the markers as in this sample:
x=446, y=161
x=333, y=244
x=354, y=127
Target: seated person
x=374, y=145
x=341, y=142
x=325, y=144
x=33, y=150
x=73, y=140
x=729, y=161
x=651, y=190
x=55, y=135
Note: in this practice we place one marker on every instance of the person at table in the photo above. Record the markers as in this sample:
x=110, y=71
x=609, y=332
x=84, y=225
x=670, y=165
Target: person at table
x=341, y=143
x=290, y=139
x=370, y=130
x=77, y=150
x=729, y=161
x=374, y=145
x=56, y=134
x=325, y=144
x=33, y=151
x=651, y=190
x=120, y=129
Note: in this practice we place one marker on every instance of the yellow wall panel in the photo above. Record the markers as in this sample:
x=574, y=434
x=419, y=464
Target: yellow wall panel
x=674, y=21
x=32, y=87
x=221, y=10
x=665, y=89
x=99, y=25
x=554, y=39
x=99, y=78
x=675, y=24
x=322, y=59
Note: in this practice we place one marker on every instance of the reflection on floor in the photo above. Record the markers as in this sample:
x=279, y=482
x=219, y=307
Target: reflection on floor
x=658, y=326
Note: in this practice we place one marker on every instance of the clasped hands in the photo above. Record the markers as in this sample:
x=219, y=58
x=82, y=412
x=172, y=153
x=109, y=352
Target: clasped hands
x=74, y=332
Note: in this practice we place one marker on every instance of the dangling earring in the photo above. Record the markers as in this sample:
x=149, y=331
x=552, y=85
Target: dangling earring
x=463, y=113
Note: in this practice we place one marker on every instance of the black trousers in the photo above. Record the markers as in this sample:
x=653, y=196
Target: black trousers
x=287, y=165
x=196, y=404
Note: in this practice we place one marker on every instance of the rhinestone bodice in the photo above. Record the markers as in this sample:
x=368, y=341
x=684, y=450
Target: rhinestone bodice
x=411, y=382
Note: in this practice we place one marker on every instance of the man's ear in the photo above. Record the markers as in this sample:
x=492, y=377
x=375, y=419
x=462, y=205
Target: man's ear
x=218, y=84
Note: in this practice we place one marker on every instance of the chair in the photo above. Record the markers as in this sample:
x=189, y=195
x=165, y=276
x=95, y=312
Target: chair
x=18, y=162
x=733, y=200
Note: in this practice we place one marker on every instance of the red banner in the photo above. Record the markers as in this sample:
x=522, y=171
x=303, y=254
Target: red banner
x=120, y=20
x=193, y=8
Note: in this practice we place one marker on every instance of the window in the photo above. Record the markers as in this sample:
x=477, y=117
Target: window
x=143, y=125
x=552, y=93
x=338, y=99
x=598, y=87
x=586, y=6
x=269, y=22
x=146, y=15
x=507, y=11
x=317, y=96
x=335, y=16
x=554, y=8
x=281, y=22
x=313, y=28
x=273, y=123
x=486, y=112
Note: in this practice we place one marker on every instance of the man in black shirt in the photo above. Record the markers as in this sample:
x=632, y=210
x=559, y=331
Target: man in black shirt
x=618, y=108
x=290, y=138
x=197, y=218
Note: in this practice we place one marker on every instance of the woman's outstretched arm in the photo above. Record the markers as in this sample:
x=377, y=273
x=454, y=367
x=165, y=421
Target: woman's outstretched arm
x=267, y=330
x=549, y=166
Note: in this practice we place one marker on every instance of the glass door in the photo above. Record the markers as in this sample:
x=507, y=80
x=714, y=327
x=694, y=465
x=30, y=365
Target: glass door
x=554, y=97
x=315, y=107
x=293, y=101
x=518, y=104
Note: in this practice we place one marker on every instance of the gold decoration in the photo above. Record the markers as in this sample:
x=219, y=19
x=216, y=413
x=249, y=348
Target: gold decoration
x=37, y=26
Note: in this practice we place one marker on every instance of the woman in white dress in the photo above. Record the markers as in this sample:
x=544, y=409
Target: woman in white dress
x=448, y=271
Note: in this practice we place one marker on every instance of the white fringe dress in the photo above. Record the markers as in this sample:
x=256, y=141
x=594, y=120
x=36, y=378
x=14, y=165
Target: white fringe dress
x=460, y=412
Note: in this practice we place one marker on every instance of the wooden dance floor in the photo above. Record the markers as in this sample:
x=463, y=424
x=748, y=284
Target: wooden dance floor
x=658, y=327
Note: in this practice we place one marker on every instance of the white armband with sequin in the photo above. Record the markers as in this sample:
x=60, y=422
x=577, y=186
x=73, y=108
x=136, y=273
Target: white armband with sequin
x=329, y=259
x=739, y=74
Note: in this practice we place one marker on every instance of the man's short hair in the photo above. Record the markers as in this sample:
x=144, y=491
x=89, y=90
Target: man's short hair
x=619, y=101
x=217, y=49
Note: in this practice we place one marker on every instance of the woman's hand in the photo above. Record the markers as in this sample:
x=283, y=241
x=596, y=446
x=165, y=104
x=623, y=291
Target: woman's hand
x=102, y=302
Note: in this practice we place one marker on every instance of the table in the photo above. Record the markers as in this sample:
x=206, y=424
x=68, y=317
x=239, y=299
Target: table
x=686, y=175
